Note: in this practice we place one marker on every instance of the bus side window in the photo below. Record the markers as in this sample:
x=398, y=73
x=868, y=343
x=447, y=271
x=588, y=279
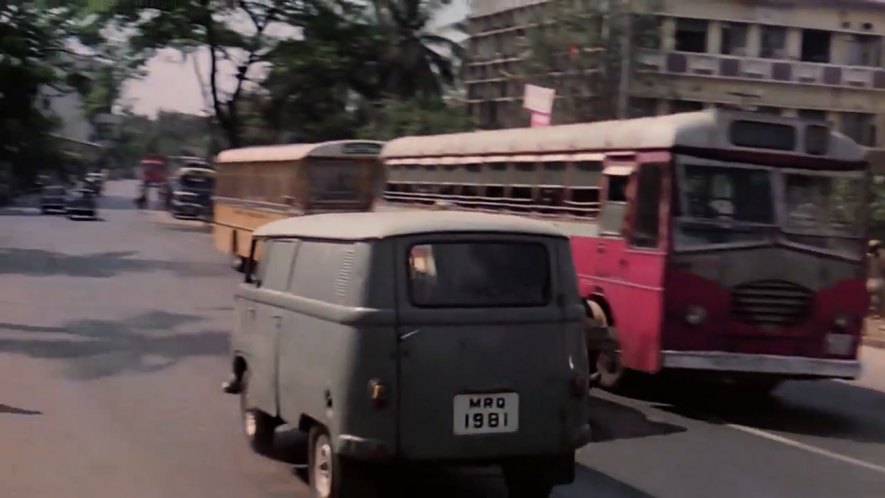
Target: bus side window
x=647, y=207
x=614, y=209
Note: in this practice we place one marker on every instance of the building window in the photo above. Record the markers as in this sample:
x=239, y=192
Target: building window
x=691, y=35
x=816, y=45
x=647, y=30
x=678, y=106
x=734, y=39
x=813, y=115
x=864, y=50
x=773, y=43
x=860, y=127
x=641, y=107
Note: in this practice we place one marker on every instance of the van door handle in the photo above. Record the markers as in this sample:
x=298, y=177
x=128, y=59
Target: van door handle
x=408, y=335
x=278, y=320
x=251, y=311
x=600, y=249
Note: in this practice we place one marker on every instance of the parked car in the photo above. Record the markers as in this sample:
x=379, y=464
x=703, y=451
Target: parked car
x=82, y=204
x=414, y=338
x=53, y=199
x=95, y=182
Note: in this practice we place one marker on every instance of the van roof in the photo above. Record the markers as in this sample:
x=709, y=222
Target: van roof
x=379, y=225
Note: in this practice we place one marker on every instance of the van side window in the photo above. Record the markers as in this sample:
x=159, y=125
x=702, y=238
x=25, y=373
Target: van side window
x=648, y=207
x=322, y=271
x=277, y=264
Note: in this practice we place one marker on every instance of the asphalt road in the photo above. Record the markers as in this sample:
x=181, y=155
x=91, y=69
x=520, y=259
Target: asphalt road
x=113, y=342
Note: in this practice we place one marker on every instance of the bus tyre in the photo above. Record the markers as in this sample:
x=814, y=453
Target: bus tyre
x=602, y=347
x=332, y=476
x=611, y=370
x=238, y=263
x=259, y=427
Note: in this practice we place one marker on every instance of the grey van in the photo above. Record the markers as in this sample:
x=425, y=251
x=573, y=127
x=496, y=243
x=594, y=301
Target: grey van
x=414, y=338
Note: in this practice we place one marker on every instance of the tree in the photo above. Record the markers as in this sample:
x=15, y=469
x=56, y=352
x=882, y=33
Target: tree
x=580, y=48
x=191, y=25
x=416, y=117
x=412, y=58
x=30, y=42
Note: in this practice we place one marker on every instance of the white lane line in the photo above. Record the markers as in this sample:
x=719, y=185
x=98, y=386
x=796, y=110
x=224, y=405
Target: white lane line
x=807, y=447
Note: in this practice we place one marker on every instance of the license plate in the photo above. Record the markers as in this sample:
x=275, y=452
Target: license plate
x=486, y=413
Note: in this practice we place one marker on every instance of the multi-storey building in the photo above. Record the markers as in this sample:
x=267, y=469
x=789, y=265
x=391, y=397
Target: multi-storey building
x=818, y=59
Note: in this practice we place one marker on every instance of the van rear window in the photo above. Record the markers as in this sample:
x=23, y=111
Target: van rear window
x=479, y=274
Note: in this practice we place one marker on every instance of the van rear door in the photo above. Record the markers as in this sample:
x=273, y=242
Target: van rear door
x=483, y=347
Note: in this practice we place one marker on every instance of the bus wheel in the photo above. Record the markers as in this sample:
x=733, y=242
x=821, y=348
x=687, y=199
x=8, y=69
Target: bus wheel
x=610, y=369
x=602, y=347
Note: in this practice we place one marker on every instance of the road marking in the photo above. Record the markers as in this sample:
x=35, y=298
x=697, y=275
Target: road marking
x=809, y=448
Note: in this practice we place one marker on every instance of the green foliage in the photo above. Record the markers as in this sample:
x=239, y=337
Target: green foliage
x=415, y=117
x=30, y=44
x=578, y=48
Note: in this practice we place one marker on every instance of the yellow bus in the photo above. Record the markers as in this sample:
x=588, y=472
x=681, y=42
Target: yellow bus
x=257, y=185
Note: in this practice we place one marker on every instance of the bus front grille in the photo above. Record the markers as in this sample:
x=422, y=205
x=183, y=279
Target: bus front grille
x=771, y=302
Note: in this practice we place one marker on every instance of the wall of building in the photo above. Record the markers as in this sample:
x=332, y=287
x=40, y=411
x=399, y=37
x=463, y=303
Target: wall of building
x=755, y=53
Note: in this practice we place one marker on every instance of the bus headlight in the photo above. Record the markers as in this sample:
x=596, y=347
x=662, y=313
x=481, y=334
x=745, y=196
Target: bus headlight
x=695, y=315
x=842, y=321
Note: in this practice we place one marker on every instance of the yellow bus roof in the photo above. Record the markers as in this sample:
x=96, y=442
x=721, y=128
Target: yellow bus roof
x=296, y=152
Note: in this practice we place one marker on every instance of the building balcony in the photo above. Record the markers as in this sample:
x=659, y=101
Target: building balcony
x=770, y=70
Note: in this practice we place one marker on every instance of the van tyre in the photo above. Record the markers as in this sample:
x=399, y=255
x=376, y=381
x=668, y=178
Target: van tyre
x=258, y=426
x=332, y=476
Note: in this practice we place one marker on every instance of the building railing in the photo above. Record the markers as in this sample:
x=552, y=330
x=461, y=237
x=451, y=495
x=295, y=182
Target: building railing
x=774, y=70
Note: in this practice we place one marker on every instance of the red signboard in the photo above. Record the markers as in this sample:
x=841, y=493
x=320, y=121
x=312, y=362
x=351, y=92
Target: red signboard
x=540, y=119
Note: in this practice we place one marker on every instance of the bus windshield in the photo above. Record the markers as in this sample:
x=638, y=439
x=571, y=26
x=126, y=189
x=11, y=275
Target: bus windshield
x=724, y=205
x=824, y=210
x=334, y=181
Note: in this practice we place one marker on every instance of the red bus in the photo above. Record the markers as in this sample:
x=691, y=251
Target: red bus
x=154, y=171
x=721, y=242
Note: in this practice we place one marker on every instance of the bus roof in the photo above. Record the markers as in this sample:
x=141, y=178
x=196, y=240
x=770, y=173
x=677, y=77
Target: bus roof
x=295, y=152
x=690, y=130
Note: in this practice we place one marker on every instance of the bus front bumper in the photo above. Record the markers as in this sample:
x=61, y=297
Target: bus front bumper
x=761, y=364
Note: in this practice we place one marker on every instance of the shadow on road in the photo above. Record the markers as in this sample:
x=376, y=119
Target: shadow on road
x=822, y=408
x=96, y=349
x=611, y=421
x=11, y=410
x=39, y=262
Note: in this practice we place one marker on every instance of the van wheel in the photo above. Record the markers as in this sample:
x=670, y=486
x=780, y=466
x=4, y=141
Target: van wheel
x=259, y=427
x=333, y=476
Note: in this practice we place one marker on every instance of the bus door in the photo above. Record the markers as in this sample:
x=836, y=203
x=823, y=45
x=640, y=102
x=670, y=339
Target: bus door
x=642, y=265
x=631, y=256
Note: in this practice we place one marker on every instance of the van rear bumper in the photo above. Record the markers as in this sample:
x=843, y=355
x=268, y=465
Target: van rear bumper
x=761, y=364
x=379, y=451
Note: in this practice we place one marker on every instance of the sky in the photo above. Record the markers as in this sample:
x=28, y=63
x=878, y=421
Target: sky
x=172, y=84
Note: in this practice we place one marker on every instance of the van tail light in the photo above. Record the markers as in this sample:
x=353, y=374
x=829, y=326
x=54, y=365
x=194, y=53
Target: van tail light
x=580, y=385
x=378, y=393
